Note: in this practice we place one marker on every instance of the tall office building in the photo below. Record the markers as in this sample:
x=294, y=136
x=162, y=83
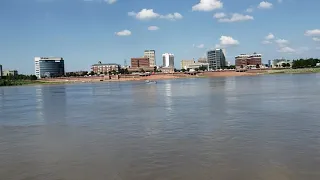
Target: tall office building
x=216, y=59
x=168, y=60
x=49, y=67
x=151, y=54
x=0, y=71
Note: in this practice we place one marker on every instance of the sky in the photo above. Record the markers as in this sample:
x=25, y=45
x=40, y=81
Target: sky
x=84, y=32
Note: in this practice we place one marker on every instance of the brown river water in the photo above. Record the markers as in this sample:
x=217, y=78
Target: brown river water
x=237, y=128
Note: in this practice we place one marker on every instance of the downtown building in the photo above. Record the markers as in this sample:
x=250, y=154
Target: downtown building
x=0, y=71
x=151, y=54
x=168, y=60
x=216, y=59
x=140, y=62
x=245, y=60
x=184, y=64
x=49, y=67
x=101, y=68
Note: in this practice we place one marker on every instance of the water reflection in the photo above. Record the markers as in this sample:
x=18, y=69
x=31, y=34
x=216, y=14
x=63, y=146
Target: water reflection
x=51, y=104
x=168, y=96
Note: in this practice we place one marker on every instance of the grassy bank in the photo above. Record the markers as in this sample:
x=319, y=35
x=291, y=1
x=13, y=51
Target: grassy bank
x=5, y=82
x=294, y=71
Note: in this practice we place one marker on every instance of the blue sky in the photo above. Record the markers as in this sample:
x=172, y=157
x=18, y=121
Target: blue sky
x=84, y=31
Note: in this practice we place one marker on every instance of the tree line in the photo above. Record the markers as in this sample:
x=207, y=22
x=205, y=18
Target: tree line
x=14, y=80
x=305, y=63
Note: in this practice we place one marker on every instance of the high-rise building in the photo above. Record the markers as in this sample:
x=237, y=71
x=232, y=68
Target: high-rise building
x=168, y=60
x=140, y=62
x=202, y=60
x=0, y=71
x=151, y=54
x=216, y=59
x=248, y=60
x=49, y=67
x=186, y=63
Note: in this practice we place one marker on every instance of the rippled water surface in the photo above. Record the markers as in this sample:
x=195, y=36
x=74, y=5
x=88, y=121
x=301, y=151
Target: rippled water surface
x=244, y=128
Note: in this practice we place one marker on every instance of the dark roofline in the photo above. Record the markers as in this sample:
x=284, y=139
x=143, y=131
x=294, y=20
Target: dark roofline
x=108, y=64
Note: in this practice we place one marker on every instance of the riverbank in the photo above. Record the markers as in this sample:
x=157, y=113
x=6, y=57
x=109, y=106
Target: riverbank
x=4, y=83
x=122, y=78
x=154, y=77
x=293, y=71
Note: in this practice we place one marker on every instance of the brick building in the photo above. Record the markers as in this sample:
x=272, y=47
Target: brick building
x=140, y=62
x=248, y=60
x=105, y=68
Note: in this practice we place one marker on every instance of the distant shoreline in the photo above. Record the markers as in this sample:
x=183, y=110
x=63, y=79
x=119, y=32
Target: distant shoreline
x=124, y=78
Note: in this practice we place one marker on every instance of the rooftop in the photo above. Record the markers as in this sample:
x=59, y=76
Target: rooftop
x=107, y=64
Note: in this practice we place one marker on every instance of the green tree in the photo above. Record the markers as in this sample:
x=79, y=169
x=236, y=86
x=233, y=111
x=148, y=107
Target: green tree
x=33, y=77
x=155, y=69
x=203, y=68
x=142, y=70
x=257, y=66
x=126, y=71
x=196, y=69
x=91, y=73
x=183, y=70
x=284, y=64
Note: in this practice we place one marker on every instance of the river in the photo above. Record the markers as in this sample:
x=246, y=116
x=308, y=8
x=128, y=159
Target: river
x=249, y=128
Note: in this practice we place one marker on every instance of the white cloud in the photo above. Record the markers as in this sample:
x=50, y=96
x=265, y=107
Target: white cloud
x=153, y=28
x=316, y=39
x=207, y=5
x=200, y=46
x=282, y=42
x=144, y=14
x=318, y=48
x=265, y=5
x=110, y=1
x=147, y=14
x=236, y=18
x=280, y=1
x=286, y=49
x=226, y=41
x=107, y=1
x=219, y=15
x=249, y=10
x=174, y=16
x=266, y=42
x=269, y=36
x=314, y=32
x=123, y=33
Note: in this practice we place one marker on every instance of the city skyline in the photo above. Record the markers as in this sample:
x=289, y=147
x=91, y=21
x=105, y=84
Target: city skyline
x=81, y=33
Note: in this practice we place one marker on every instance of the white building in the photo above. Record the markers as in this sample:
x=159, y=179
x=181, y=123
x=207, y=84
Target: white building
x=185, y=63
x=279, y=62
x=197, y=65
x=49, y=67
x=168, y=60
x=151, y=54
